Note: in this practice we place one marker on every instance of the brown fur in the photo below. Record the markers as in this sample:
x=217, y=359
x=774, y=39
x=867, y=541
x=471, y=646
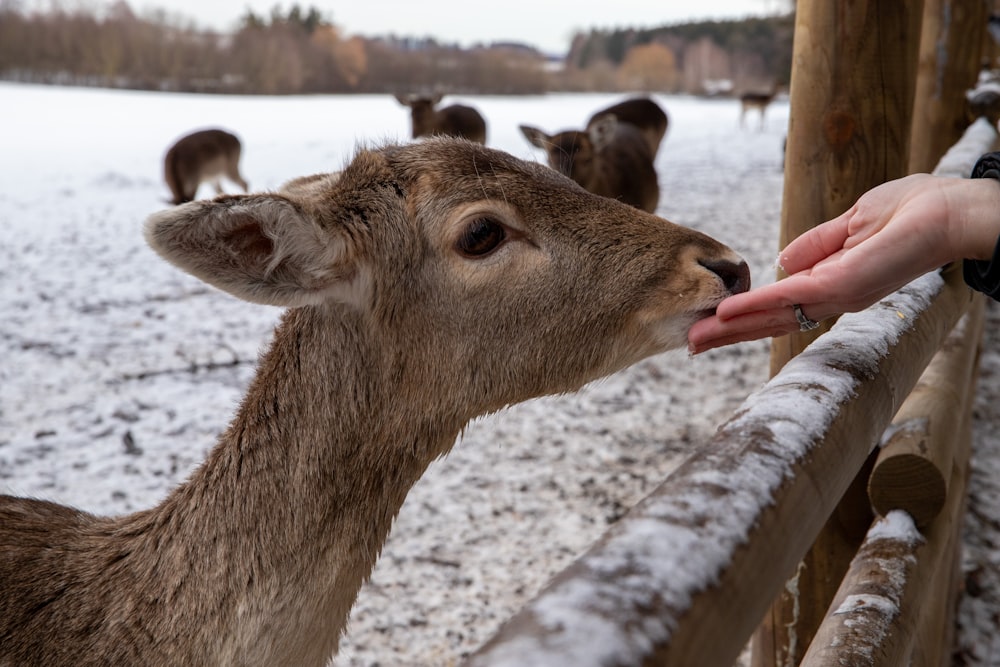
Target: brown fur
x=202, y=156
x=456, y=120
x=610, y=158
x=394, y=339
x=642, y=113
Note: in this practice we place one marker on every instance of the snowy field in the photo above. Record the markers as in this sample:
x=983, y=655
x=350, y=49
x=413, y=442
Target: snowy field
x=119, y=371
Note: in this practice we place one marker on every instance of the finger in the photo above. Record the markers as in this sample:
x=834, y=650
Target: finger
x=815, y=245
x=782, y=294
x=700, y=346
x=713, y=332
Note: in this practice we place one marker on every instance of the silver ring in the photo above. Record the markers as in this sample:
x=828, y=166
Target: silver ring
x=805, y=324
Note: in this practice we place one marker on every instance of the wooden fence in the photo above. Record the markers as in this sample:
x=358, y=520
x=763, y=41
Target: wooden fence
x=726, y=548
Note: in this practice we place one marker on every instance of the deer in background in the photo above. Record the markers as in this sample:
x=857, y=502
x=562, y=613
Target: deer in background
x=394, y=274
x=756, y=100
x=641, y=112
x=199, y=157
x=610, y=157
x=456, y=120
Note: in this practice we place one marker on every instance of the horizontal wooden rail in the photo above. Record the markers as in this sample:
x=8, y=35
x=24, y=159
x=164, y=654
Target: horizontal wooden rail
x=866, y=622
x=739, y=514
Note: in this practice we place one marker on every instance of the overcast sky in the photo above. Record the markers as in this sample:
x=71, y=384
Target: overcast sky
x=542, y=23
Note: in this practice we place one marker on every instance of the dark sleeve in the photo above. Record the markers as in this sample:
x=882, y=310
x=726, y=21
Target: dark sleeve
x=982, y=275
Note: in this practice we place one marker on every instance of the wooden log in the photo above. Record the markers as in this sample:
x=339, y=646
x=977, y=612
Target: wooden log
x=951, y=49
x=851, y=106
x=867, y=624
x=912, y=477
x=874, y=615
x=915, y=461
x=852, y=91
x=895, y=606
x=685, y=576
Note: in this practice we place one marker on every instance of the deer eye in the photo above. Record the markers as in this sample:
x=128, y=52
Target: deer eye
x=481, y=237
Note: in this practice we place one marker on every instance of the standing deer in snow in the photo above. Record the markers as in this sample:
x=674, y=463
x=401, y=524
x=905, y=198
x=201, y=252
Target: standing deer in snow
x=758, y=100
x=456, y=120
x=199, y=157
x=609, y=158
x=426, y=284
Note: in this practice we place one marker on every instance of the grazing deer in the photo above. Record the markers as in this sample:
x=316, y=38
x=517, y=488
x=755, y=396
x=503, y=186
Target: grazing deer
x=456, y=120
x=756, y=100
x=642, y=112
x=426, y=284
x=609, y=158
x=203, y=156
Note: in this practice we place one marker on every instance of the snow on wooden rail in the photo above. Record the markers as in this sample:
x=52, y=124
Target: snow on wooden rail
x=980, y=137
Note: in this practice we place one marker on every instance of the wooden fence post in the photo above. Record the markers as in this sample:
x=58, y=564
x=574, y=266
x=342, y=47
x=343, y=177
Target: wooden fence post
x=852, y=90
x=951, y=51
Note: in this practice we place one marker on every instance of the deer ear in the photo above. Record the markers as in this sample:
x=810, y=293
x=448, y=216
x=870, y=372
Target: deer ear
x=260, y=248
x=535, y=136
x=602, y=132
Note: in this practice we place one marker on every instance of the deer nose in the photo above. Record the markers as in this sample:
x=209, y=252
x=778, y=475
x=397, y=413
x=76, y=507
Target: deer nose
x=735, y=275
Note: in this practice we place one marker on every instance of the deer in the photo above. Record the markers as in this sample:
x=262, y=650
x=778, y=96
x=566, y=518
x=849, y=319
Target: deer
x=641, y=112
x=424, y=284
x=609, y=158
x=758, y=100
x=456, y=120
x=199, y=157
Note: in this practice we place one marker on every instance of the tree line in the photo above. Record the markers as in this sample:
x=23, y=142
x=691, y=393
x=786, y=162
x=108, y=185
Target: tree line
x=304, y=51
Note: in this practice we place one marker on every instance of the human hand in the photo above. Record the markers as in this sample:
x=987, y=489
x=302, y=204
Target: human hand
x=895, y=233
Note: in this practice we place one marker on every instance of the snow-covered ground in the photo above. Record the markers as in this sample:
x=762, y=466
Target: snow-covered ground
x=118, y=371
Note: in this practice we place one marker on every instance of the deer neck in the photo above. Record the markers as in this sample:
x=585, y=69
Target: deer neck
x=294, y=503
